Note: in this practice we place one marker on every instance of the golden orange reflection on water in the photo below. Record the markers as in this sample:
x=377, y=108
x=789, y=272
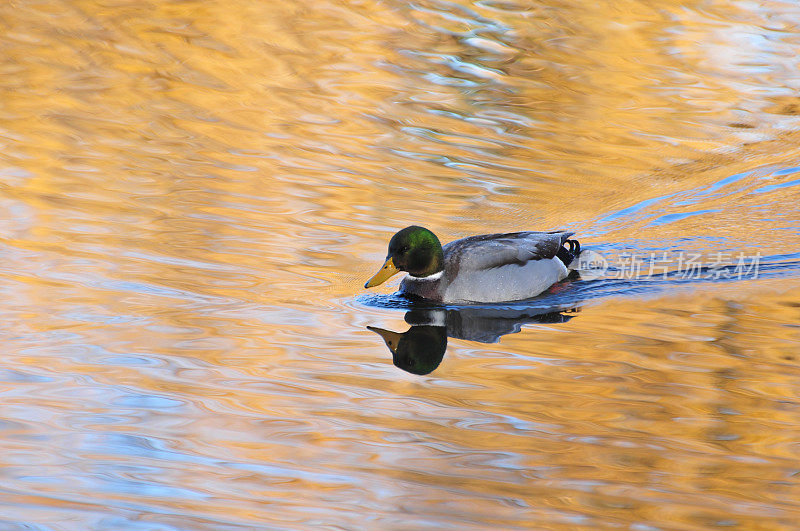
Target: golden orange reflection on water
x=193, y=194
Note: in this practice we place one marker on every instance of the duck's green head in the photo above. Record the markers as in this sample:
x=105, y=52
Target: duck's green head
x=415, y=250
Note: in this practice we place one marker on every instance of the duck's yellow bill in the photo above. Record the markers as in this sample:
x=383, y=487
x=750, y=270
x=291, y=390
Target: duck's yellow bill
x=392, y=339
x=383, y=274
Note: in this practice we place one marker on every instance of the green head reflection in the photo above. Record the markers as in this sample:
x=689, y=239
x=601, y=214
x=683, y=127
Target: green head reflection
x=419, y=350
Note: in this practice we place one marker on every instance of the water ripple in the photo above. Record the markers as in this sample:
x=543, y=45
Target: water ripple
x=193, y=196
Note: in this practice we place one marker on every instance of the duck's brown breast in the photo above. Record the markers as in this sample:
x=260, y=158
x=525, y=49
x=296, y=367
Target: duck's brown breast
x=427, y=289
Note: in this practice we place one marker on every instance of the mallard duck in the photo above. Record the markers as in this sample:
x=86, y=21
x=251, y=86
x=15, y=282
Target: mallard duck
x=487, y=268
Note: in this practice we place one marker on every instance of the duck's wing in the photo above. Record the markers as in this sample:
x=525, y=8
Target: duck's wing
x=490, y=251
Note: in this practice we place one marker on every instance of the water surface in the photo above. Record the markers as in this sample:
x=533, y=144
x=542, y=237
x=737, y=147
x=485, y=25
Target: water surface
x=193, y=194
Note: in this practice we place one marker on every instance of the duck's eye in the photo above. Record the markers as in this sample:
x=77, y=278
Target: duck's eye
x=404, y=249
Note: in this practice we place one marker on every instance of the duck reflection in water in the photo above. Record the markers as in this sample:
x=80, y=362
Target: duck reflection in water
x=420, y=349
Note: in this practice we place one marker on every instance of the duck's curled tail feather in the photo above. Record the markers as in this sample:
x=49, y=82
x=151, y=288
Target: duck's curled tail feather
x=569, y=251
